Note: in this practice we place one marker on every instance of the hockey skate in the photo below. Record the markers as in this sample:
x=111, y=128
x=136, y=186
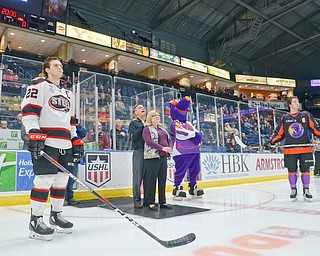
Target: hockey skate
x=306, y=195
x=178, y=193
x=60, y=224
x=39, y=230
x=293, y=195
x=195, y=191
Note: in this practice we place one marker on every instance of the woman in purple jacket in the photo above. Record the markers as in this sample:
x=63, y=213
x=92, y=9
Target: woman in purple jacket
x=156, y=150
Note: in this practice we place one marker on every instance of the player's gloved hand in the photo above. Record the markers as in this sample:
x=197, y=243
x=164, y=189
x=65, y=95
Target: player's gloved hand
x=36, y=142
x=77, y=149
x=268, y=145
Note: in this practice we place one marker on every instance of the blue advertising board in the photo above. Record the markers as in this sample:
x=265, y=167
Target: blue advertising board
x=25, y=174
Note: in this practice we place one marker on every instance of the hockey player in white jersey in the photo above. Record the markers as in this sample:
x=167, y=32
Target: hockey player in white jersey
x=48, y=116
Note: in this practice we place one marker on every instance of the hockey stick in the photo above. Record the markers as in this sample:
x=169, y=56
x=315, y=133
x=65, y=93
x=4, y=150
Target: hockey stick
x=242, y=145
x=168, y=244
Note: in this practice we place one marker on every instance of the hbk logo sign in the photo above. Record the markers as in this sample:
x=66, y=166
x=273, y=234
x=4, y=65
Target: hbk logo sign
x=98, y=170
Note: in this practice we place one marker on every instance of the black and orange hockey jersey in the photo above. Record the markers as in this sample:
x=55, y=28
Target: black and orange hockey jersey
x=296, y=129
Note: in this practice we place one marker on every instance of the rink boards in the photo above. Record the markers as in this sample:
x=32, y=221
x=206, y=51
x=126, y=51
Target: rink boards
x=110, y=172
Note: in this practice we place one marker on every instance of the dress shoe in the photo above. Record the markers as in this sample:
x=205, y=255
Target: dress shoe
x=153, y=207
x=165, y=206
x=137, y=206
x=73, y=202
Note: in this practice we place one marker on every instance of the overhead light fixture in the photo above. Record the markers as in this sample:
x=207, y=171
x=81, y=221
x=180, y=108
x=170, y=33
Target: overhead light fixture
x=20, y=47
x=83, y=60
x=12, y=33
x=83, y=50
x=42, y=40
x=107, y=55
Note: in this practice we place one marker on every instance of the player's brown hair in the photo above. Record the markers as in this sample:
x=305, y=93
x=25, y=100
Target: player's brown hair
x=289, y=100
x=46, y=63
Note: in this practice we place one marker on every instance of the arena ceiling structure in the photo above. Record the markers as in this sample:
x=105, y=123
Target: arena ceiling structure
x=266, y=37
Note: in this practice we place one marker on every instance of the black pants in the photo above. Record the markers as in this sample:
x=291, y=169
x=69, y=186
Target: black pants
x=317, y=163
x=155, y=169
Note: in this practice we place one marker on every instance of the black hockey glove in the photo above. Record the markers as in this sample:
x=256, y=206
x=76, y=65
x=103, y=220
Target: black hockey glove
x=268, y=145
x=77, y=149
x=36, y=142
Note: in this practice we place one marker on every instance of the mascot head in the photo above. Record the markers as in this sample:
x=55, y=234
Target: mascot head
x=179, y=108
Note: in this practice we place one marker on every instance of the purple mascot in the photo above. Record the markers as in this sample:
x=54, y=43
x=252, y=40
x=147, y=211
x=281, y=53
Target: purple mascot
x=186, y=154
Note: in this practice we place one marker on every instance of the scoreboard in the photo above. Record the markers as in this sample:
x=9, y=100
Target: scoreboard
x=27, y=20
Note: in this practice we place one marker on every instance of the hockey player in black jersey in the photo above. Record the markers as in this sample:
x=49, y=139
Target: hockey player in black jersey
x=48, y=116
x=295, y=128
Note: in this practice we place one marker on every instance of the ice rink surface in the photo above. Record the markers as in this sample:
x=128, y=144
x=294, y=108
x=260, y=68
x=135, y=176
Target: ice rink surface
x=248, y=220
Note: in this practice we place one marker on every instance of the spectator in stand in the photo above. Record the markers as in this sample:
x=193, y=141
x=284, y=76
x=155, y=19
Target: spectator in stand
x=103, y=138
x=102, y=98
x=16, y=125
x=232, y=146
x=121, y=108
x=69, y=82
x=108, y=96
x=104, y=118
x=10, y=76
x=90, y=99
x=121, y=136
x=3, y=124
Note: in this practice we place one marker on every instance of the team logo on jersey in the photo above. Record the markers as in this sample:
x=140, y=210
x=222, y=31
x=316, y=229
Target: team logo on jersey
x=60, y=103
x=98, y=170
x=296, y=130
x=303, y=119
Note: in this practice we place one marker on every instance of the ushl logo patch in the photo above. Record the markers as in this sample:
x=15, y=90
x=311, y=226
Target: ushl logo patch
x=98, y=170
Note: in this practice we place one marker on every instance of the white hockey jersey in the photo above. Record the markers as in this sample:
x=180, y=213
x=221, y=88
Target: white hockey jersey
x=50, y=108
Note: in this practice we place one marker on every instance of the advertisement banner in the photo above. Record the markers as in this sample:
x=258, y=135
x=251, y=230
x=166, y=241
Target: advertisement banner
x=315, y=82
x=88, y=36
x=25, y=174
x=7, y=171
x=138, y=49
x=193, y=65
x=218, y=72
x=119, y=44
x=10, y=139
x=281, y=82
x=158, y=55
x=268, y=104
x=235, y=166
x=251, y=79
x=61, y=28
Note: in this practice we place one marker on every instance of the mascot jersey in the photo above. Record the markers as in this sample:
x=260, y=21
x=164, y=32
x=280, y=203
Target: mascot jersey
x=185, y=140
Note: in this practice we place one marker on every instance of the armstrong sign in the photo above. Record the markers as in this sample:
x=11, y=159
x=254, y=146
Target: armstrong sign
x=98, y=170
x=234, y=166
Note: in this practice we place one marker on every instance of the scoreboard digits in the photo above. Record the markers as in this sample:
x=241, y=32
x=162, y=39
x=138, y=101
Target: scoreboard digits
x=26, y=20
